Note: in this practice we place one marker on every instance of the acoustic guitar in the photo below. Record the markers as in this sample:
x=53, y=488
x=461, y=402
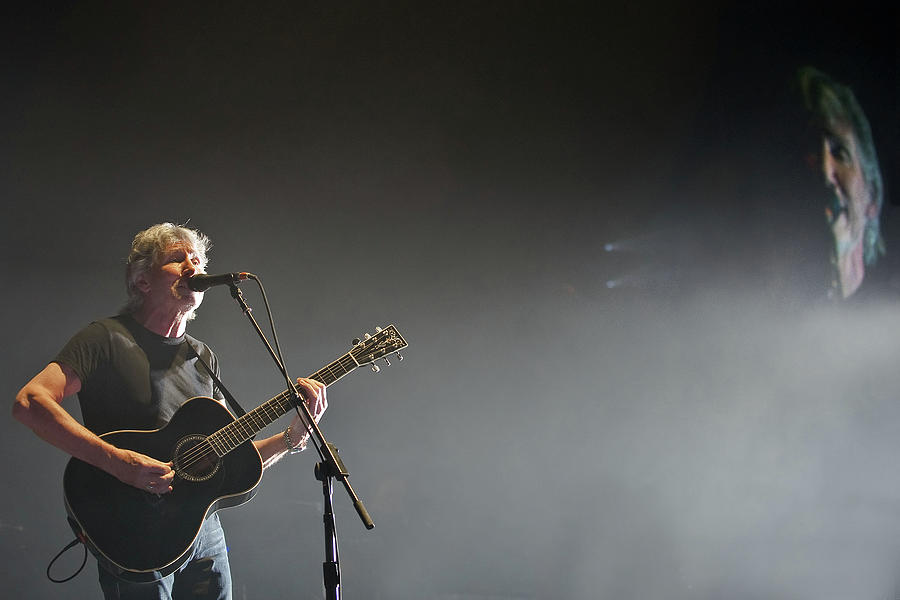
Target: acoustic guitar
x=141, y=536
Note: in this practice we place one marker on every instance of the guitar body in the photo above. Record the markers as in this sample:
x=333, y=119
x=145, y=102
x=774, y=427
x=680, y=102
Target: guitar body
x=140, y=536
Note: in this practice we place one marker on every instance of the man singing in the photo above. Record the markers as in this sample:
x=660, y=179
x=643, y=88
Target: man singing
x=133, y=371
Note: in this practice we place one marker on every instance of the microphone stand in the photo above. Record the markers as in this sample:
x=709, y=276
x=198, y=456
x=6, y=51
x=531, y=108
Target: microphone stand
x=329, y=468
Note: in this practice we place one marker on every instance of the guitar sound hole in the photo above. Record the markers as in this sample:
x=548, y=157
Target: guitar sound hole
x=195, y=459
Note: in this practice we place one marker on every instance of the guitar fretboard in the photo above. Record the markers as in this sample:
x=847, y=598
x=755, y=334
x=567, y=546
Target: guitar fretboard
x=239, y=431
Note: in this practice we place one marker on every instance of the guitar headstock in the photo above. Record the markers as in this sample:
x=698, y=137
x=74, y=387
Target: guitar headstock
x=385, y=342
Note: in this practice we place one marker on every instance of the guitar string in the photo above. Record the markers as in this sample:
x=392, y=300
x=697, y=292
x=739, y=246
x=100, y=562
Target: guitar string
x=203, y=449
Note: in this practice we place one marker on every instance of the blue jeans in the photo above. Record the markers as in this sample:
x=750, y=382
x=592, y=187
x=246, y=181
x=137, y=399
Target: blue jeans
x=205, y=576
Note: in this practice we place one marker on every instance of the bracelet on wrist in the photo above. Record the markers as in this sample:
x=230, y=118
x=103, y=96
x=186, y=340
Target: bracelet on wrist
x=289, y=442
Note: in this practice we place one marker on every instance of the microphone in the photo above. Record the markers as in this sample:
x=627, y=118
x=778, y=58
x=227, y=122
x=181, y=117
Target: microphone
x=201, y=283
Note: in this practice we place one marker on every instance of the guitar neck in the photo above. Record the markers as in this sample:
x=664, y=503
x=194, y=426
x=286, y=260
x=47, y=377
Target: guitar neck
x=239, y=431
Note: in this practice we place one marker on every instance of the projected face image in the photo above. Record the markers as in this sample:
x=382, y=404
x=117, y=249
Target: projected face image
x=851, y=175
x=850, y=205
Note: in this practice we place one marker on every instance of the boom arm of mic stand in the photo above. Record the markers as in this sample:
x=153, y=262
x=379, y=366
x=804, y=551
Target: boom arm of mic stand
x=327, y=451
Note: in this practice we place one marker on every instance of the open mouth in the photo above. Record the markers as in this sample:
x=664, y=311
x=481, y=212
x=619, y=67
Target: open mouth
x=834, y=209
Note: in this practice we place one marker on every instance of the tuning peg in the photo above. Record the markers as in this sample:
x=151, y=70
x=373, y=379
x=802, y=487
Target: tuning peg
x=375, y=368
x=378, y=330
x=354, y=342
x=368, y=336
x=399, y=357
x=386, y=361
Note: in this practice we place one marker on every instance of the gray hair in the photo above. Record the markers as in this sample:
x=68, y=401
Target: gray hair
x=832, y=103
x=146, y=251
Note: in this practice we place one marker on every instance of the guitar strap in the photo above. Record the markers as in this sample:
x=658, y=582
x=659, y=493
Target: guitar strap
x=232, y=402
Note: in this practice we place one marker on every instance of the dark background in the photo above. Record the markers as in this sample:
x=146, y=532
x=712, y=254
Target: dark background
x=592, y=223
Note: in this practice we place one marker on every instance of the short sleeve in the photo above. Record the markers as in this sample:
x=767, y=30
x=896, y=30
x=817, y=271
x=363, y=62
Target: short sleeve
x=86, y=351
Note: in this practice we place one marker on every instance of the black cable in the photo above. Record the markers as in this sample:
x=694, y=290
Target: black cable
x=61, y=552
x=282, y=366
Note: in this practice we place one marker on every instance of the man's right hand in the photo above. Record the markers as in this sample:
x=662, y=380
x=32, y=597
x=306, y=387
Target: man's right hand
x=143, y=472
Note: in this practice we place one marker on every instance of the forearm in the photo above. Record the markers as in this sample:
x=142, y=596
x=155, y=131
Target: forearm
x=273, y=448
x=52, y=423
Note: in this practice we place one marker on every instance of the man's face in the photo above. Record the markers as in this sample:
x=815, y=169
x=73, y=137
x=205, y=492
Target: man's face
x=851, y=204
x=165, y=283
